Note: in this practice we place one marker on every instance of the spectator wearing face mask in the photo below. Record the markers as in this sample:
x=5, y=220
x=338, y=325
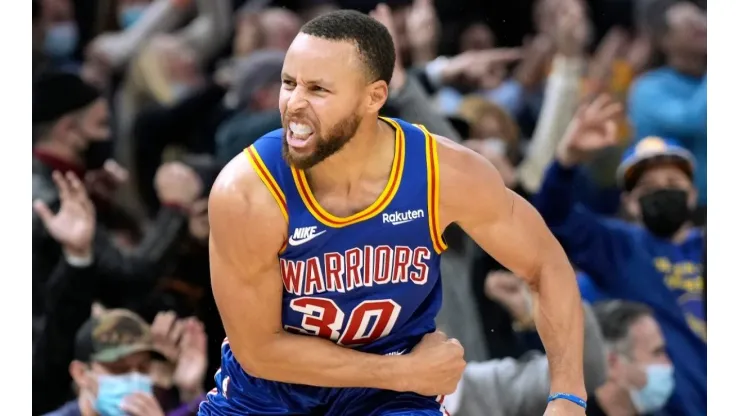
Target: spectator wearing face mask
x=69, y=118
x=113, y=353
x=671, y=101
x=639, y=372
x=655, y=260
x=60, y=39
x=69, y=121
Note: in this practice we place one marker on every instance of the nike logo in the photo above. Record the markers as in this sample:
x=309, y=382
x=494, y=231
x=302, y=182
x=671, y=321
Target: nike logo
x=303, y=235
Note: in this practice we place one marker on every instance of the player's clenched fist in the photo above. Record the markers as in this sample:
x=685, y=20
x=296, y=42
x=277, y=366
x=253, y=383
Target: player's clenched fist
x=438, y=364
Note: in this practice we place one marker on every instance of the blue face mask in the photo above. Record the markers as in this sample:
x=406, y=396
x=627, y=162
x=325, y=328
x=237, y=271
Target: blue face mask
x=130, y=15
x=61, y=40
x=657, y=390
x=112, y=390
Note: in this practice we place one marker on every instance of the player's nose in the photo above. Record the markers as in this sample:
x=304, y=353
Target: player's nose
x=297, y=101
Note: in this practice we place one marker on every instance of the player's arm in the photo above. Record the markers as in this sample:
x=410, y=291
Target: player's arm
x=247, y=231
x=510, y=229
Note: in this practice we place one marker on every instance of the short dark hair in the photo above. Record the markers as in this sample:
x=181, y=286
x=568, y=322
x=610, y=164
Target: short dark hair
x=374, y=43
x=616, y=317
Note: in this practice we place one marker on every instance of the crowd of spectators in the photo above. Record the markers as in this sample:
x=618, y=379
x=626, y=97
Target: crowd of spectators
x=595, y=111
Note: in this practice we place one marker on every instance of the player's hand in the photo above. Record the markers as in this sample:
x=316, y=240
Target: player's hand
x=592, y=129
x=192, y=360
x=141, y=404
x=73, y=226
x=564, y=408
x=438, y=364
x=177, y=184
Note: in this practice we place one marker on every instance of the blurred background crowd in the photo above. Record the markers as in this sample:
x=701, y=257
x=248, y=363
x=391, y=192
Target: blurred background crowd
x=137, y=104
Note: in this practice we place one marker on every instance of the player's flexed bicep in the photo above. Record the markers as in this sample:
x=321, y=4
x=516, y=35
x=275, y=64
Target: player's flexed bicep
x=473, y=195
x=247, y=232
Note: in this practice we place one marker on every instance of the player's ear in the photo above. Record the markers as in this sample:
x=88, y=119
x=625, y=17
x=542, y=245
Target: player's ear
x=377, y=96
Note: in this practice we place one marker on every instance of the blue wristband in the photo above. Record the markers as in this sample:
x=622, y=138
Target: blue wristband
x=569, y=397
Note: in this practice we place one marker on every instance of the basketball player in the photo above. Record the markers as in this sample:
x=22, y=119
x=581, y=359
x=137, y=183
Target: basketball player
x=326, y=238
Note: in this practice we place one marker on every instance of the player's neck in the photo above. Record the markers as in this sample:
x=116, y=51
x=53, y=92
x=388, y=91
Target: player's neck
x=368, y=155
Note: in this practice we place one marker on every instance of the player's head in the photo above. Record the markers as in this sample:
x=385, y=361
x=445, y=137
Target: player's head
x=113, y=353
x=656, y=175
x=335, y=77
x=637, y=361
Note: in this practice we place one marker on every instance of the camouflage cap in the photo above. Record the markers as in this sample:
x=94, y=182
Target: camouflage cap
x=113, y=335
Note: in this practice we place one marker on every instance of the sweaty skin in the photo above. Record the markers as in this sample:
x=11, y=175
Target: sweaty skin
x=248, y=288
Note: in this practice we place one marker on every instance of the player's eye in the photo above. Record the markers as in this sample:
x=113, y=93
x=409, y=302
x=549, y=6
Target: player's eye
x=289, y=83
x=316, y=88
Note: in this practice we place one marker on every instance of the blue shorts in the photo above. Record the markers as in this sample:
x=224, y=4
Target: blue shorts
x=262, y=397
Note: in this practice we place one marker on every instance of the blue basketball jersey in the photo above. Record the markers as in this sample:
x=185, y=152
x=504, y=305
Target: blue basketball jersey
x=369, y=281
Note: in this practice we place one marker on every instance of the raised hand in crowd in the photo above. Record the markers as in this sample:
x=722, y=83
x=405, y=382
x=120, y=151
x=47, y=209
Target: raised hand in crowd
x=473, y=67
x=192, y=360
x=572, y=28
x=513, y=293
x=615, y=44
x=592, y=129
x=102, y=183
x=141, y=404
x=177, y=184
x=639, y=52
x=183, y=343
x=198, y=224
x=166, y=333
x=422, y=30
x=536, y=54
x=73, y=226
x=382, y=13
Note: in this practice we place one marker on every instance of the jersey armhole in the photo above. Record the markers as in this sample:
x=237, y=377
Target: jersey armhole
x=270, y=183
x=435, y=231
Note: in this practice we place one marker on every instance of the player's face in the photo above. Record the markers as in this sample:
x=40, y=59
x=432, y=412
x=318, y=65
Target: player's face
x=322, y=98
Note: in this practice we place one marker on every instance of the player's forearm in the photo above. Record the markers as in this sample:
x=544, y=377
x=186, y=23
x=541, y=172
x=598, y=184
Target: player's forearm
x=559, y=320
x=314, y=361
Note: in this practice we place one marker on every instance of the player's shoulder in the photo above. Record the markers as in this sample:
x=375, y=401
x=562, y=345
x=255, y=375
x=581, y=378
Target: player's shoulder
x=239, y=190
x=269, y=144
x=458, y=160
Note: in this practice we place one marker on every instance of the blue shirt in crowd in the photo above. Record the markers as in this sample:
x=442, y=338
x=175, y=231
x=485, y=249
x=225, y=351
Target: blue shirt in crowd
x=625, y=261
x=666, y=103
x=589, y=291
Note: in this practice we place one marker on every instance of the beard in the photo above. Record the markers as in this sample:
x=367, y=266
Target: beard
x=326, y=144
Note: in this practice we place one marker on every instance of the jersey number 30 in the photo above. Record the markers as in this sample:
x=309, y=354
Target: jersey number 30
x=322, y=317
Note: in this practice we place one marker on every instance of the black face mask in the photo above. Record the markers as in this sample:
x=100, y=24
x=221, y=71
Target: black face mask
x=664, y=211
x=97, y=153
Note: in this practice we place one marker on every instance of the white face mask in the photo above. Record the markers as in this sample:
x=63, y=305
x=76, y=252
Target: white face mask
x=496, y=144
x=656, y=392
